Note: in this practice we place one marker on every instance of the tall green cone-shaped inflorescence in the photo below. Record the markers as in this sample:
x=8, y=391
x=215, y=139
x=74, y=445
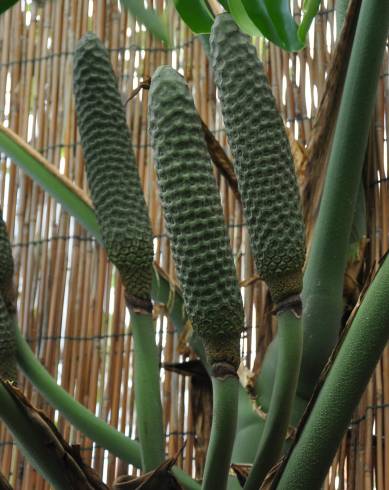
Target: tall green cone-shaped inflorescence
x=110, y=163
x=194, y=218
x=263, y=159
x=7, y=308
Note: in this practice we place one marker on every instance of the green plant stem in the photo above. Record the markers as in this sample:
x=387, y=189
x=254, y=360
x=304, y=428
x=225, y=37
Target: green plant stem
x=290, y=343
x=32, y=442
x=147, y=391
x=84, y=420
x=77, y=414
x=323, y=280
x=359, y=353
x=186, y=481
x=224, y=418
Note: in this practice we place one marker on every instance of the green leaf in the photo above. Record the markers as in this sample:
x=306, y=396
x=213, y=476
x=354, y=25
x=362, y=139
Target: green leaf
x=6, y=4
x=195, y=14
x=274, y=19
x=50, y=179
x=149, y=18
x=241, y=17
x=310, y=10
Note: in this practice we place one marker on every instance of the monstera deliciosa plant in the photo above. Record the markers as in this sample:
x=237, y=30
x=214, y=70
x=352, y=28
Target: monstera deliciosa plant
x=306, y=289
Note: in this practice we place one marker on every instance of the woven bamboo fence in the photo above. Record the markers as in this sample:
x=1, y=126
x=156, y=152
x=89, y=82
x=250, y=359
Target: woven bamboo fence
x=71, y=303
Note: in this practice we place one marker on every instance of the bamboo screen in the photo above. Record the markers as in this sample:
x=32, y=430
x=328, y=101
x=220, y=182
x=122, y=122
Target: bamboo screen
x=71, y=304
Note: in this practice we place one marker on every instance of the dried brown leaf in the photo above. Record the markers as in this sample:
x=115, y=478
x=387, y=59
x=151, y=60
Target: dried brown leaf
x=158, y=479
x=79, y=474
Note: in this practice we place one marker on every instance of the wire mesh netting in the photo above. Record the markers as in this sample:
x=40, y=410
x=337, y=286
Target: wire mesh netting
x=71, y=304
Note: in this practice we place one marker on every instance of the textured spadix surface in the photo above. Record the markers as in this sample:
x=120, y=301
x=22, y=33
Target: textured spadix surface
x=194, y=217
x=263, y=160
x=6, y=259
x=7, y=334
x=110, y=164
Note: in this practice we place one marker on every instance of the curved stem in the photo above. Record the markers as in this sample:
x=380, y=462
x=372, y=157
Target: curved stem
x=354, y=364
x=290, y=343
x=186, y=481
x=224, y=417
x=95, y=428
x=33, y=442
x=323, y=279
x=147, y=392
x=84, y=420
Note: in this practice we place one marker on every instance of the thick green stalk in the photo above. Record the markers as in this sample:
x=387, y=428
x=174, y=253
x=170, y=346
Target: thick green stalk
x=312, y=456
x=225, y=410
x=323, y=280
x=147, y=388
x=77, y=414
x=184, y=479
x=31, y=440
x=290, y=342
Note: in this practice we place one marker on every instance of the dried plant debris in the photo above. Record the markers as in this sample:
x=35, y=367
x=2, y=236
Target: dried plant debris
x=4, y=484
x=80, y=476
x=241, y=471
x=158, y=479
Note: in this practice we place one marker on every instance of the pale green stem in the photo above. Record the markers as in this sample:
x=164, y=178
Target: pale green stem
x=359, y=353
x=147, y=391
x=224, y=418
x=290, y=343
x=84, y=420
